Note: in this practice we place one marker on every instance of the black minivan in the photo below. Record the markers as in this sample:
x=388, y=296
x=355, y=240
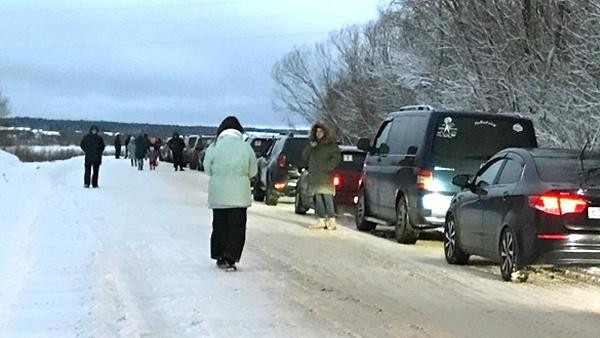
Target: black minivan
x=407, y=177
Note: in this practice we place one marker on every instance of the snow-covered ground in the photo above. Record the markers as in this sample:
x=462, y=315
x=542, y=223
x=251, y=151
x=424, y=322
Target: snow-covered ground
x=131, y=259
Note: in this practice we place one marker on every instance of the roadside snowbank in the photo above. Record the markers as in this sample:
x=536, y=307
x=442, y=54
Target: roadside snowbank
x=9, y=165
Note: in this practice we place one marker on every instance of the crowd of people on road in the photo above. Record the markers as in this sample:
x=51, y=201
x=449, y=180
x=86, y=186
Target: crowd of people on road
x=230, y=163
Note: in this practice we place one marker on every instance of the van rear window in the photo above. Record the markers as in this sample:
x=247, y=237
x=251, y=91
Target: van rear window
x=352, y=161
x=480, y=138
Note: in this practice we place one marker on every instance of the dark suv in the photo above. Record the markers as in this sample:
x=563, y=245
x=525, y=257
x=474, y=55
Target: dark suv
x=260, y=144
x=407, y=178
x=279, y=169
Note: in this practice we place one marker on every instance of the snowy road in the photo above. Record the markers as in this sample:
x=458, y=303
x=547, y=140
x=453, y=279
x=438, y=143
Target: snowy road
x=131, y=260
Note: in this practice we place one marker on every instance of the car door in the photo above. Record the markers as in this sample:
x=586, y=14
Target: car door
x=499, y=200
x=470, y=213
x=373, y=166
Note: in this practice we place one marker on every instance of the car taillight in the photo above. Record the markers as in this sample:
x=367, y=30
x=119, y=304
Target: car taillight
x=425, y=179
x=282, y=160
x=337, y=181
x=557, y=203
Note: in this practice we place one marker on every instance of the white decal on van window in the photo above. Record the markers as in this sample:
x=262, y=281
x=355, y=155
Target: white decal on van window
x=447, y=129
x=348, y=158
x=518, y=128
x=485, y=123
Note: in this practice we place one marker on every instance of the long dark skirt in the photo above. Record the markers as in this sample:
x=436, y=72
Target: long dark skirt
x=229, y=234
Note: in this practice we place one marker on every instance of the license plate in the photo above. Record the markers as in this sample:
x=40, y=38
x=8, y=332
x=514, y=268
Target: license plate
x=348, y=158
x=594, y=213
x=292, y=184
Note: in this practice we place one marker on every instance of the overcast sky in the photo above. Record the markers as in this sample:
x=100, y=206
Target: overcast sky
x=186, y=62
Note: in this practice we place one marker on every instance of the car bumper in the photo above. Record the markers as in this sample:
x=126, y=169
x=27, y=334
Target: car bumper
x=345, y=197
x=430, y=211
x=578, y=249
x=285, y=189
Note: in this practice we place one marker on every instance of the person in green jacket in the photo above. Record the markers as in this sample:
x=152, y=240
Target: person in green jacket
x=322, y=155
x=230, y=164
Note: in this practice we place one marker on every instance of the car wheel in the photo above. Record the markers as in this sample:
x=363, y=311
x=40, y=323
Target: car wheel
x=361, y=214
x=405, y=233
x=271, y=197
x=452, y=250
x=509, y=257
x=299, y=207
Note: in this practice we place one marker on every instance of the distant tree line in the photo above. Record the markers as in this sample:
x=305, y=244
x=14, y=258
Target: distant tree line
x=539, y=58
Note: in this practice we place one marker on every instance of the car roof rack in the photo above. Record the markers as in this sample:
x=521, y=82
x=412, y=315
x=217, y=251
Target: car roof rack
x=421, y=107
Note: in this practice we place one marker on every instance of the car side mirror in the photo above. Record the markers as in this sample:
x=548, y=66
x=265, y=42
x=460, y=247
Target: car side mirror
x=462, y=181
x=364, y=144
x=384, y=149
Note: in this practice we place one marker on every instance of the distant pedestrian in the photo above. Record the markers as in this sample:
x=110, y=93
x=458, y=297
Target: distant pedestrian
x=322, y=155
x=93, y=147
x=153, y=156
x=176, y=145
x=127, y=140
x=131, y=150
x=141, y=149
x=118, y=146
x=230, y=164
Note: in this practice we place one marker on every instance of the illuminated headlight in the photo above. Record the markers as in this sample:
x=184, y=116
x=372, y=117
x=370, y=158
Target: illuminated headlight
x=437, y=203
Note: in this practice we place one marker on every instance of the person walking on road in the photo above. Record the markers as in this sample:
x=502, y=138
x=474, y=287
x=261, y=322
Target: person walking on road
x=141, y=149
x=322, y=155
x=127, y=140
x=230, y=164
x=93, y=147
x=131, y=150
x=176, y=145
x=118, y=146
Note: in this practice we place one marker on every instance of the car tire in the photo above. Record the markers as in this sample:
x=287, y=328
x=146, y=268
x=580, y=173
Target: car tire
x=404, y=232
x=271, y=197
x=452, y=249
x=508, y=249
x=361, y=214
x=299, y=207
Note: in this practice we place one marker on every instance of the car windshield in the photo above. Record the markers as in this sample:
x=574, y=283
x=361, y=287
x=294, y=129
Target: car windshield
x=568, y=170
x=480, y=138
x=352, y=161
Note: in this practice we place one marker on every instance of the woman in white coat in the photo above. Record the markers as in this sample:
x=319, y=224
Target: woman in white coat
x=230, y=162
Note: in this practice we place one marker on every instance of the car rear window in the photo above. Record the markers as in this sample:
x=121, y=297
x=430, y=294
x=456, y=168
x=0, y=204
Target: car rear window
x=352, y=161
x=293, y=150
x=480, y=138
x=567, y=169
x=261, y=145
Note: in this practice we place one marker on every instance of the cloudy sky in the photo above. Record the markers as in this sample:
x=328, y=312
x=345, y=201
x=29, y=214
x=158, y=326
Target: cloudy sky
x=186, y=62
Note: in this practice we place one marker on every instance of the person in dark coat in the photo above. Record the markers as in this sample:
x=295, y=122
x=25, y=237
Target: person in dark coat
x=141, y=149
x=176, y=145
x=322, y=155
x=93, y=147
x=118, y=146
x=127, y=146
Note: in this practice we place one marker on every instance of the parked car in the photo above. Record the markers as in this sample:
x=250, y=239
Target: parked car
x=207, y=141
x=407, y=179
x=524, y=207
x=195, y=145
x=191, y=141
x=165, y=154
x=346, y=178
x=279, y=169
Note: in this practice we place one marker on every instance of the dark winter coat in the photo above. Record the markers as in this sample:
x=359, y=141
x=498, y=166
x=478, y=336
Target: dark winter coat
x=118, y=141
x=176, y=144
x=141, y=147
x=93, y=147
x=322, y=159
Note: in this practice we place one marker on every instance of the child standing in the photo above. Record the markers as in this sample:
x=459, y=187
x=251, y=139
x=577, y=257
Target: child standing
x=153, y=156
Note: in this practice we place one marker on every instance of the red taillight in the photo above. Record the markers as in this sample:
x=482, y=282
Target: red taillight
x=282, y=160
x=553, y=237
x=337, y=180
x=559, y=203
x=425, y=179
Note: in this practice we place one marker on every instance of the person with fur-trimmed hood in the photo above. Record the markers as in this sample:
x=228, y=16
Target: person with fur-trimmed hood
x=322, y=155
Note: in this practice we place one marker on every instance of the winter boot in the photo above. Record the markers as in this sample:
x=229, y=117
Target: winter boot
x=331, y=224
x=221, y=263
x=320, y=224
